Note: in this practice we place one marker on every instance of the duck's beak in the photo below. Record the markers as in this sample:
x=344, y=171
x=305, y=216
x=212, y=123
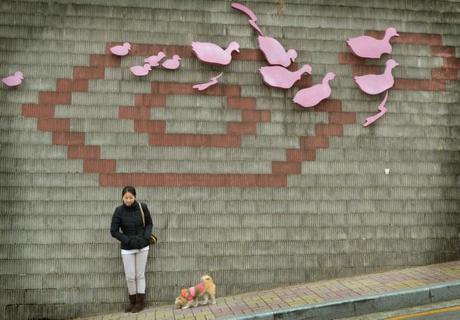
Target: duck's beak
x=397, y=35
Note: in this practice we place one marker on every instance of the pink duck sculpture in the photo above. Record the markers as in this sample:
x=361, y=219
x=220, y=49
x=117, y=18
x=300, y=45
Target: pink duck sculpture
x=154, y=60
x=310, y=97
x=274, y=51
x=13, y=80
x=122, y=50
x=211, y=82
x=377, y=83
x=252, y=17
x=172, y=64
x=212, y=53
x=369, y=47
x=279, y=77
x=141, y=71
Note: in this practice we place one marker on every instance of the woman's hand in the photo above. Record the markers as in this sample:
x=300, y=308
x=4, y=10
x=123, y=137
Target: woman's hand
x=137, y=242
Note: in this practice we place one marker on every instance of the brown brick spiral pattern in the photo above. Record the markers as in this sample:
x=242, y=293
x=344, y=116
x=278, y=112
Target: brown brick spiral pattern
x=44, y=111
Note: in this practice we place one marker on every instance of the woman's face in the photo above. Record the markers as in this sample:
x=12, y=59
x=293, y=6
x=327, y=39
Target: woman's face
x=128, y=198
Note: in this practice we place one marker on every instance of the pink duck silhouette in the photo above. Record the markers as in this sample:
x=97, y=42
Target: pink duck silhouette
x=377, y=83
x=154, y=60
x=172, y=64
x=369, y=47
x=310, y=97
x=252, y=17
x=212, y=53
x=211, y=82
x=122, y=50
x=279, y=77
x=141, y=71
x=13, y=80
x=274, y=51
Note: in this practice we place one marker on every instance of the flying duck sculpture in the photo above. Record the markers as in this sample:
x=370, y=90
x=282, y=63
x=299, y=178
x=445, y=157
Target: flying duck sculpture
x=252, y=17
x=211, y=82
x=375, y=84
x=382, y=110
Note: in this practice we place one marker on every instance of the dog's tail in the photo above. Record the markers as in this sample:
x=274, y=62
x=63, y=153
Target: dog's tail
x=206, y=278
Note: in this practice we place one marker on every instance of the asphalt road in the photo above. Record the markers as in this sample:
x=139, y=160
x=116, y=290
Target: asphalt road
x=448, y=310
x=448, y=313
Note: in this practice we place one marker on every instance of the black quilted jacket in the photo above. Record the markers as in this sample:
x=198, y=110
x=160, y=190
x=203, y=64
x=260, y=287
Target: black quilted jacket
x=133, y=235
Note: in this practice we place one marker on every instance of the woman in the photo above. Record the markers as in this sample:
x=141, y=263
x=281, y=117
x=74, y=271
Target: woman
x=134, y=240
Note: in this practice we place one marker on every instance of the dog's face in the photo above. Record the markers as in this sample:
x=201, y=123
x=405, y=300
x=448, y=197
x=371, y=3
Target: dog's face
x=180, y=302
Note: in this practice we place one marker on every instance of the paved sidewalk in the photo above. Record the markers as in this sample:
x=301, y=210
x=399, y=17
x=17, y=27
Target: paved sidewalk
x=328, y=299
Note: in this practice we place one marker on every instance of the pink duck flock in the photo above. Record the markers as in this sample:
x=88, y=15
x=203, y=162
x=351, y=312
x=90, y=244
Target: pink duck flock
x=212, y=53
x=13, y=80
x=377, y=83
x=279, y=77
x=310, y=97
x=369, y=47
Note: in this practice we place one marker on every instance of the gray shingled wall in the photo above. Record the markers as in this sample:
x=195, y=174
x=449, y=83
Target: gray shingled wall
x=338, y=215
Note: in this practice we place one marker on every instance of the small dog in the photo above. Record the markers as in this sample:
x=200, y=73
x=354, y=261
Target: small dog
x=199, y=294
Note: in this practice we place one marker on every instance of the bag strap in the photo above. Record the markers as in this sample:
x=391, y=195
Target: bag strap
x=142, y=214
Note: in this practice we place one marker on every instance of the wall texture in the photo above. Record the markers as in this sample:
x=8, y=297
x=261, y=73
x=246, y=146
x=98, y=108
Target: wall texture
x=242, y=183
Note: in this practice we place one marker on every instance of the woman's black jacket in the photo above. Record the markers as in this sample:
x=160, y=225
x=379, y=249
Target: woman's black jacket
x=129, y=220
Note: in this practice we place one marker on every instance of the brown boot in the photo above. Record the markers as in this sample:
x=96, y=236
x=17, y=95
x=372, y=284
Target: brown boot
x=132, y=302
x=140, y=303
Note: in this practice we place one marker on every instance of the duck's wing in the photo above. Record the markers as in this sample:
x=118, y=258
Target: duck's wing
x=382, y=111
x=247, y=11
x=208, y=52
x=206, y=47
x=274, y=74
x=217, y=77
x=366, y=47
x=119, y=51
x=372, y=83
x=273, y=50
x=309, y=97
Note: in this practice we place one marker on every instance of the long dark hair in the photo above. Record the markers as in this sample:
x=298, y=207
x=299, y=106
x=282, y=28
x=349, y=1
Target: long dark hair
x=129, y=189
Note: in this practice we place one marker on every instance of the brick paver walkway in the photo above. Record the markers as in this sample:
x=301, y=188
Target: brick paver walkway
x=297, y=296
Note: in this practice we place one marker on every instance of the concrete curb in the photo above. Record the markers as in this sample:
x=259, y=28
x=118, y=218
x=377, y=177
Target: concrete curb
x=363, y=305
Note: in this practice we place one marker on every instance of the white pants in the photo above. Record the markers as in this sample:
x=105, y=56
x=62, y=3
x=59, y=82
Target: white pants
x=134, y=265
